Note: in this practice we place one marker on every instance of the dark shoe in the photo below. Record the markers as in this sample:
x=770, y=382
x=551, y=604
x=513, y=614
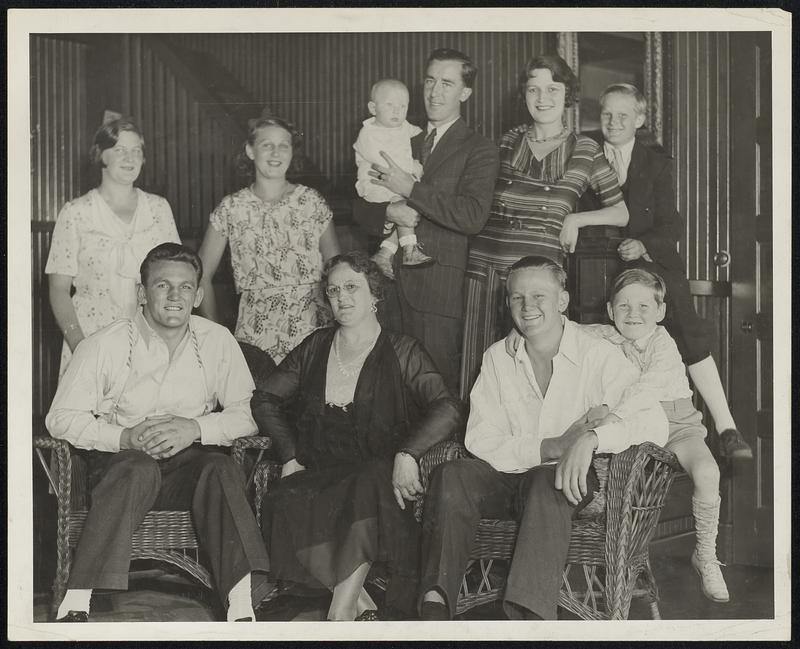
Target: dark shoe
x=370, y=615
x=733, y=446
x=434, y=611
x=383, y=258
x=413, y=256
x=74, y=616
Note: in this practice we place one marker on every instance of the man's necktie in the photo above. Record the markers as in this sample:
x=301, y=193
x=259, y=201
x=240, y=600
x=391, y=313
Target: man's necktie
x=427, y=146
x=614, y=157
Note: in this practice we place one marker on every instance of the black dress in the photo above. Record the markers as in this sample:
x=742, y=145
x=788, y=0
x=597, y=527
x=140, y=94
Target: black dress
x=322, y=523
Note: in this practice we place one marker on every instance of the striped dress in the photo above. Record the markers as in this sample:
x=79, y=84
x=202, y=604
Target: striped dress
x=531, y=199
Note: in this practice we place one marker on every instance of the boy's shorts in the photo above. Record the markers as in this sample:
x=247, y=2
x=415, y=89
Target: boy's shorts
x=685, y=421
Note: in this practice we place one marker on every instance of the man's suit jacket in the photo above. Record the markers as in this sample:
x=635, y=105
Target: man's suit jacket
x=453, y=199
x=650, y=196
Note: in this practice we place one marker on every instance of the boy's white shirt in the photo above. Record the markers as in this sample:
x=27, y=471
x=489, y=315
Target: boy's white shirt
x=509, y=416
x=625, y=150
x=662, y=372
x=396, y=142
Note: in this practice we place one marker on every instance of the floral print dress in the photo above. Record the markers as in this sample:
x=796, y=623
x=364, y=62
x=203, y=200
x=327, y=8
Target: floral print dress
x=102, y=254
x=277, y=265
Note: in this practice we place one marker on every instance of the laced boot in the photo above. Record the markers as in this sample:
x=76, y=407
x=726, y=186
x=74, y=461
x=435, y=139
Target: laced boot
x=704, y=557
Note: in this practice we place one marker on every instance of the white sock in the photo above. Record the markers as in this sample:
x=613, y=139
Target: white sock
x=76, y=599
x=391, y=246
x=407, y=240
x=240, y=601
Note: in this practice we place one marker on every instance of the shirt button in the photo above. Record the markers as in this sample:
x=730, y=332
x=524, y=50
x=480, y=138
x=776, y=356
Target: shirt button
x=544, y=208
x=509, y=182
x=546, y=188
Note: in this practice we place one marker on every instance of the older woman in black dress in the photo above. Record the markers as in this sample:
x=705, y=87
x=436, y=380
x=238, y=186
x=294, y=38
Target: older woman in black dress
x=368, y=405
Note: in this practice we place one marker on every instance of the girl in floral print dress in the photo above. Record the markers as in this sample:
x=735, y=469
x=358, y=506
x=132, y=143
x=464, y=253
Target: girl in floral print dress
x=280, y=234
x=101, y=238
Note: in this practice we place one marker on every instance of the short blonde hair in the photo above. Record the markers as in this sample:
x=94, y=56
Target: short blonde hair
x=538, y=262
x=629, y=90
x=642, y=277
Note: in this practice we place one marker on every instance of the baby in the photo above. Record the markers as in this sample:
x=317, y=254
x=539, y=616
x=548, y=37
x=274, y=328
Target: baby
x=387, y=130
x=636, y=306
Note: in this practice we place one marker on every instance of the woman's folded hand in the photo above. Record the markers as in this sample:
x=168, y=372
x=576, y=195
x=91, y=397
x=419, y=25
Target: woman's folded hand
x=405, y=479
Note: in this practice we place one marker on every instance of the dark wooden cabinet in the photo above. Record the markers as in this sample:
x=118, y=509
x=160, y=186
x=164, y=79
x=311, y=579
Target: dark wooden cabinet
x=591, y=270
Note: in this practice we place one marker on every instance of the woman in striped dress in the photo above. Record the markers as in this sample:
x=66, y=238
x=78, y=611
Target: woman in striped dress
x=544, y=170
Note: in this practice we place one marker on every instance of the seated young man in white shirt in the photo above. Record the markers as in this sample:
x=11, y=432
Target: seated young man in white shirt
x=526, y=412
x=140, y=395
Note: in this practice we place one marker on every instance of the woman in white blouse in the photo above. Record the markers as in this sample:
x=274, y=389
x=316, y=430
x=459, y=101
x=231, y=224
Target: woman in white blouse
x=101, y=238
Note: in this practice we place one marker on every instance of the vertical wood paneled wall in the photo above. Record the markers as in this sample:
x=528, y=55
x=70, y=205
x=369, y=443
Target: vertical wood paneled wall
x=700, y=144
x=46, y=334
x=58, y=167
x=321, y=82
x=59, y=143
x=189, y=146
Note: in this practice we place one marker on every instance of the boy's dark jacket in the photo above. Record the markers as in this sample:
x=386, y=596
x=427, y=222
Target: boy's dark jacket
x=649, y=194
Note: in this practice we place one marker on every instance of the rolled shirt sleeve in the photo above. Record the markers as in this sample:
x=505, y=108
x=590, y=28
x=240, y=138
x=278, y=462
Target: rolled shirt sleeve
x=233, y=386
x=76, y=412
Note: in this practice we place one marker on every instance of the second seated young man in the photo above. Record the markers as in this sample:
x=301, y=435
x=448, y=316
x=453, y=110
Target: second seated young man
x=556, y=400
x=449, y=204
x=140, y=395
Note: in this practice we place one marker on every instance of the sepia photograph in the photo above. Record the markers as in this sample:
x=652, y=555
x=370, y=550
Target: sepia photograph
x=459, y=317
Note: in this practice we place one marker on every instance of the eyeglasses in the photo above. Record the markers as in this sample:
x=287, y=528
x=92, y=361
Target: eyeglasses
x=333, y=291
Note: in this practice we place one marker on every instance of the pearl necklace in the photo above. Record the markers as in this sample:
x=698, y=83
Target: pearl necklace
x=352, y=367
x=550, y=138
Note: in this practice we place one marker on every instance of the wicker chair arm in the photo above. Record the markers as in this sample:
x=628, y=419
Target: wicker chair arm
x=660, y=454
x=59, y=473
x=45, y=441
x=436, y=455
x=433, y=457
x=244, y=444
x=638, y=482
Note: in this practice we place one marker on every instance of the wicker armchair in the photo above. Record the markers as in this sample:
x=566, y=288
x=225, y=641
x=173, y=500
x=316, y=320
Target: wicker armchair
x=166, y=536
x=609, y=549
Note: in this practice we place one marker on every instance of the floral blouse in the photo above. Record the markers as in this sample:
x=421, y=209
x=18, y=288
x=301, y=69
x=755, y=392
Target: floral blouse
x=102, y=254
x=273, y=244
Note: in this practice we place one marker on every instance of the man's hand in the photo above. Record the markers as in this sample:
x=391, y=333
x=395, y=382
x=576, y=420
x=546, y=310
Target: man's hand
x=290, y=467
x=631, y=249
x=568, y=237
x=405, y=479
x=553, y=448
x=401, y=214
x=395, y=179
x=136, y=436
x=574, y=465
x=166, y=436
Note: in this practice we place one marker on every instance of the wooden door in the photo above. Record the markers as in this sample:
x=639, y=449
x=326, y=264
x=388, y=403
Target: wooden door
x=751, y=305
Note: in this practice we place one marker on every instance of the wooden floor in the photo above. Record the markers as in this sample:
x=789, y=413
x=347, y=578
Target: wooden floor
x=171, y=600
